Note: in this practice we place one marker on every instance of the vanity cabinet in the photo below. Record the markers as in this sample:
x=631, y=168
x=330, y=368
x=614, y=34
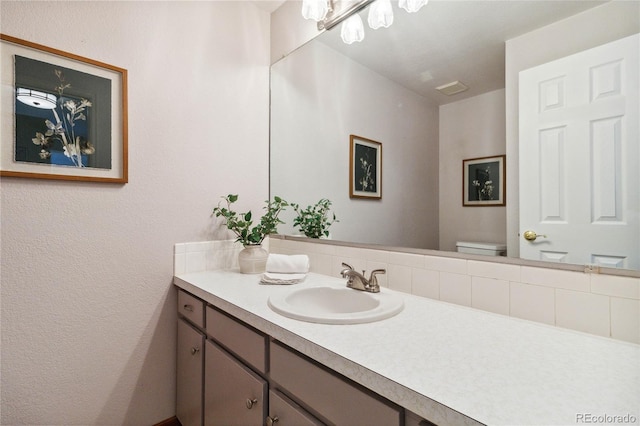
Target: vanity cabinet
x=232, y=374
x=189, y=354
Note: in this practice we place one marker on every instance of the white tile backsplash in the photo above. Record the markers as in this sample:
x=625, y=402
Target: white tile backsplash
x=490, y=294
x=605, y=305
x=399, y=278
x=320, y=263
x=612, y=285
x=196, y=261
x=455, y=288
x=625, y=322
x=445, y=264
x=406, y=259
x=206, y=255
x=567, y=280
x=533, y=302
x=425, y=283
x=494, y=270
x=581, y=311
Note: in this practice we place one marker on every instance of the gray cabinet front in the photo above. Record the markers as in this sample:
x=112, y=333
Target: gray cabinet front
x=233, y=395
x=189, y=369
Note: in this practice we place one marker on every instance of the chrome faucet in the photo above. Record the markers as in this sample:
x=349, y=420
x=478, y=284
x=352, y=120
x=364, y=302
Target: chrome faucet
x=357, y=281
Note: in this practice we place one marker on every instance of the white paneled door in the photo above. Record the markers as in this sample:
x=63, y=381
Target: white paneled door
x=579, y=158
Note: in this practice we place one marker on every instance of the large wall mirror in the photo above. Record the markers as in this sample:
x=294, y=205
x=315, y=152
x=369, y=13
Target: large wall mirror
x=383, y=89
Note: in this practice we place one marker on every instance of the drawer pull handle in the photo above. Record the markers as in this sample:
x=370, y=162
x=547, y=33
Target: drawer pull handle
x=188, y=308
x=251, y=402
x=272, y=420
x=195, y=350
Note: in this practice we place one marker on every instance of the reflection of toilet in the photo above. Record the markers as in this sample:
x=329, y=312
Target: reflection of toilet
x=488, y=249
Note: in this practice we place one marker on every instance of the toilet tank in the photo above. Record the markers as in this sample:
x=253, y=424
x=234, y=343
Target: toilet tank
x=488, y=249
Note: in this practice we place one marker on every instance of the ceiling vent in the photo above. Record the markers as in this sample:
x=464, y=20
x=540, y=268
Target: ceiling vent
x=452, y=88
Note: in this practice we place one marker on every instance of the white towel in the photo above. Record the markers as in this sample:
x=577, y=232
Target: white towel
x=288, y=264
x=274, y=278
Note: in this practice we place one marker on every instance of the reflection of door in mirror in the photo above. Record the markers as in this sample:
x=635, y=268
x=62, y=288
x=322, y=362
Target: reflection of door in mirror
x=587, y=100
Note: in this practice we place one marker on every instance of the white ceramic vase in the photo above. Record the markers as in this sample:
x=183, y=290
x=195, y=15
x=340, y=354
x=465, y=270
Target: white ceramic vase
x=252, y=259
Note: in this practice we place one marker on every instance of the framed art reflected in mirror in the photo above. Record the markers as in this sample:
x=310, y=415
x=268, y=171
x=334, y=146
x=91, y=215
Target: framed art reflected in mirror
x=365, y=168
x=483, y=182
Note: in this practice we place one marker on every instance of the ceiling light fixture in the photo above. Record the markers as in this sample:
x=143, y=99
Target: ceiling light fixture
x=412, y=6
x=36, y=99
x=352, y=29
x=329, y=13
x=380, y=14
x=315, y=9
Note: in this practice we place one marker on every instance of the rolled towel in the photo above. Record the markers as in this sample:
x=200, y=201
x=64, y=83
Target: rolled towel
x=288, y=264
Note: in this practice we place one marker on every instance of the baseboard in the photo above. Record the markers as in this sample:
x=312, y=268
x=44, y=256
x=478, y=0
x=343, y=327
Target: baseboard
x=173, y=421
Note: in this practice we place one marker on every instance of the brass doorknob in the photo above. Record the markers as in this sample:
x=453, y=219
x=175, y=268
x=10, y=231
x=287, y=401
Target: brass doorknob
x=251, y=402
x=271, y=421
x=531, y=235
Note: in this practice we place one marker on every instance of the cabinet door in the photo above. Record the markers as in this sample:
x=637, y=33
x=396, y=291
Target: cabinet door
x=189, y=375
x=233, y=394
x=284, y=412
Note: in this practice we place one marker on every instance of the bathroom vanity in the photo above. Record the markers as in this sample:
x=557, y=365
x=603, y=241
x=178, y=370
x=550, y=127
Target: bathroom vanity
x=433, y=362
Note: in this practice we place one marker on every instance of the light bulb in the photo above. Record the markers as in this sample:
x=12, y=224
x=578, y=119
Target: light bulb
x=380, y=14
x=314, y=9
x=352, y=29
x=412, y=6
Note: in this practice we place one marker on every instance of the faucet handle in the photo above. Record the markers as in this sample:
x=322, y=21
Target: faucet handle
x=344, y=271
x=373, y=280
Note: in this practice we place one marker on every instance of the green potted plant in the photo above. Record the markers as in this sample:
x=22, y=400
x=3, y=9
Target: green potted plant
x=253, y=257
x=314, y=221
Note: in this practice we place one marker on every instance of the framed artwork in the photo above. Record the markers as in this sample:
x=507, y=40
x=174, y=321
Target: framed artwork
x=63, y=116
x=365, y=168
x=483, y=182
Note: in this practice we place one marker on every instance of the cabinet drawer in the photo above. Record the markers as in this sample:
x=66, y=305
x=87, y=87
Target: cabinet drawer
x=332, y=397
x=191, y=308
x=238, y=338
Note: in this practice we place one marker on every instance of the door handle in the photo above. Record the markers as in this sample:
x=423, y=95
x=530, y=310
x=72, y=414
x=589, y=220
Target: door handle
x=531, y=235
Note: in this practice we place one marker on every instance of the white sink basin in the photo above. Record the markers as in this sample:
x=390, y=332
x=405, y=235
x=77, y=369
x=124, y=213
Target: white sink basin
x=330, y=305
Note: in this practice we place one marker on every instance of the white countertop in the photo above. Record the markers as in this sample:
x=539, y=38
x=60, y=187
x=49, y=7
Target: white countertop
x=449, y=363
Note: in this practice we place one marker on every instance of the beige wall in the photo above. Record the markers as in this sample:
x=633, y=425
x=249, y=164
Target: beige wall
x=88, y=309
x=289, y=30
x=470, y=128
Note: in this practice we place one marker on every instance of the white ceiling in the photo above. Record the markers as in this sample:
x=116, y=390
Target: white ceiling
x=450, y=40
